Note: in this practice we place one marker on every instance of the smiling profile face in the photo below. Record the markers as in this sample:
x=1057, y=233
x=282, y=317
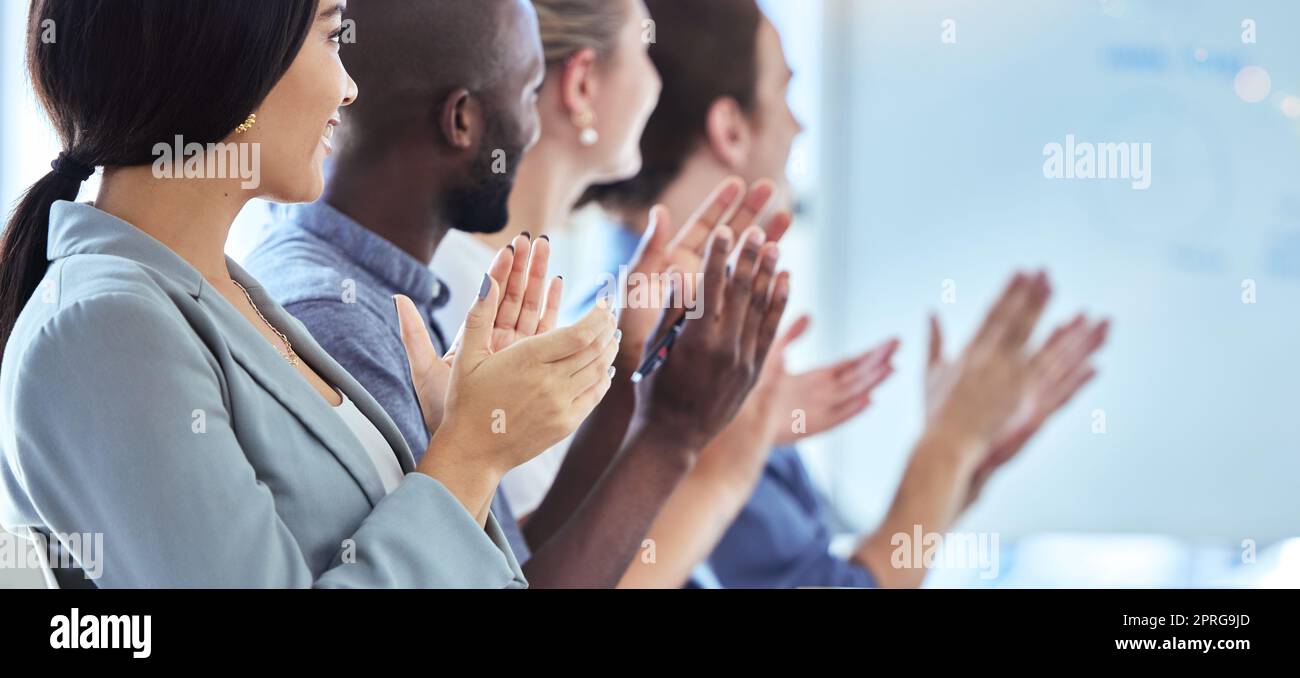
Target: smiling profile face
x=296, y=121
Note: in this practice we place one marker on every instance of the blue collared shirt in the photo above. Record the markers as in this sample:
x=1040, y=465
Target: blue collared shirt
x=339, y=278
x=781, y=539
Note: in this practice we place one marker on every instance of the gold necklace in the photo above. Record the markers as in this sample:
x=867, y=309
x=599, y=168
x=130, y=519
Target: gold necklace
x=288, y=353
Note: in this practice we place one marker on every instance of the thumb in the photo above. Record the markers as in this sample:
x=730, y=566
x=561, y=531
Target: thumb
x=660, y=233
x=936, y=341
x=655, y=242
x=792, y=333
x=420, y=352
x=476, y=335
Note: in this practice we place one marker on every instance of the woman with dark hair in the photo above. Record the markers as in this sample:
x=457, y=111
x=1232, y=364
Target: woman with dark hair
x=151, y=392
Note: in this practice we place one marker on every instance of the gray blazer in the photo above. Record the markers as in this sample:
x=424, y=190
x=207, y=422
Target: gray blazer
x=136, y=403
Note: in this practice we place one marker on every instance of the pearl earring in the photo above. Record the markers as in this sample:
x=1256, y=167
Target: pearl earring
x=585, y=121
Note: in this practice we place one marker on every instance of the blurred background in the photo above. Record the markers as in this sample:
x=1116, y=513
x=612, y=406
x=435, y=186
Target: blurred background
x=922, y=170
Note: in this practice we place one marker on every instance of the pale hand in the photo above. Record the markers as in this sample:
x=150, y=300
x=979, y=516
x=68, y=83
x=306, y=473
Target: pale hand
x=528, y=307
x=668, y=252
x=1056, y=372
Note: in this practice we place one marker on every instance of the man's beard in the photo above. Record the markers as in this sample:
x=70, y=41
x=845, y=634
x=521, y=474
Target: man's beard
x=484, y=206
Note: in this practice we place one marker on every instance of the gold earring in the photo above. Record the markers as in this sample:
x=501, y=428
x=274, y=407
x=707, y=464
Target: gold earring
x=247, y=124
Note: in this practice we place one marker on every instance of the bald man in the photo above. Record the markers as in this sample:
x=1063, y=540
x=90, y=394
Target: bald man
x=447, y=91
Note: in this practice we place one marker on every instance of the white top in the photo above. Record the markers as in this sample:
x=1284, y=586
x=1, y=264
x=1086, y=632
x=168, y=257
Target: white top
x=526, y=485
x=461, y=261
x=377, y=448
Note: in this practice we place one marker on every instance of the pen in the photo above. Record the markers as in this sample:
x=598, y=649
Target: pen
x=659, y=354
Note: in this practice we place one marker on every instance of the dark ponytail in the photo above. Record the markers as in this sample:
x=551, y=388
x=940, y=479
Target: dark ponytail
x=117, y=77
x=22, y=248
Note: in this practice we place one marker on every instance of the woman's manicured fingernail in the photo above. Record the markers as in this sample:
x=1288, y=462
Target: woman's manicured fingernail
x=511, y=248
x=528, y=235
x=483, y=289
x=618, y=336
x=612, y=371
x=547, y=238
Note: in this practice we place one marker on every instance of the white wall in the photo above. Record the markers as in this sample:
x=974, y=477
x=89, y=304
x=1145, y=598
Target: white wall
x=935, y=173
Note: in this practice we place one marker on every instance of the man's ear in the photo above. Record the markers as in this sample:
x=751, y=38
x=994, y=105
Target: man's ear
x=728, y=132
x=460, y=119
x=578, y=83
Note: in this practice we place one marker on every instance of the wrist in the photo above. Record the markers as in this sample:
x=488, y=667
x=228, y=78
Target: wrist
x=875, y=554
x=956, y=443
x=672, y=441
x=732, y=465
x=459, y=463
x=767, y=424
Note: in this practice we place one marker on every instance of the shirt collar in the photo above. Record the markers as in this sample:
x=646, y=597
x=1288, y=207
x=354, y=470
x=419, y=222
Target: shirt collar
x=81, y=228
x=381, y=258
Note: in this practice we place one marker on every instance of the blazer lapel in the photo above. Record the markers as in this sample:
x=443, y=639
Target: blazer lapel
x=274, y=374
x=369, y=407
x=330, y=370
x=82, y=228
